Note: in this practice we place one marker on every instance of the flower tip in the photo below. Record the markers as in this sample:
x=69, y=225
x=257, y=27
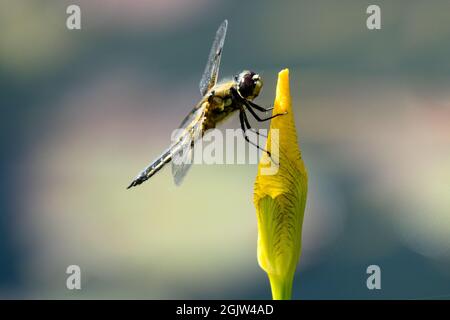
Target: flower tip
x=283, y=95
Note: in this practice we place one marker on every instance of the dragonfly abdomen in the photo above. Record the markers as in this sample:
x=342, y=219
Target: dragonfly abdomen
x=153, y=168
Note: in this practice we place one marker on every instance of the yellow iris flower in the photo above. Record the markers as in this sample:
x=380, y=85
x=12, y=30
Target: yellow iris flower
x=280, y=197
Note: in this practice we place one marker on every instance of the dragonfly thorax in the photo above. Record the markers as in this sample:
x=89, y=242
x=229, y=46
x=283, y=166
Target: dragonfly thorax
x=249, y=84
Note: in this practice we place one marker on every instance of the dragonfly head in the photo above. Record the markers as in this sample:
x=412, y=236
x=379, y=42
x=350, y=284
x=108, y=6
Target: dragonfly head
x=249, y=84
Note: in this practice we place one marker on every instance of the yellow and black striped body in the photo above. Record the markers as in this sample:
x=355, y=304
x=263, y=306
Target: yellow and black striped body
x=219, y=104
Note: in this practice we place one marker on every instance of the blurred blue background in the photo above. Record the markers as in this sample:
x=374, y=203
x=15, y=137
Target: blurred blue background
x=83, y=111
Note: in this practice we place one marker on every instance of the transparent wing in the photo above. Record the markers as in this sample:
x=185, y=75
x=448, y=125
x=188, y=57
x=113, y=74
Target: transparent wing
x=209, y=78
x=183, y=153
x=193, y=116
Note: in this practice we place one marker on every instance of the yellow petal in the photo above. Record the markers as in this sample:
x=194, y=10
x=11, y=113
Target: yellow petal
x=280, y=196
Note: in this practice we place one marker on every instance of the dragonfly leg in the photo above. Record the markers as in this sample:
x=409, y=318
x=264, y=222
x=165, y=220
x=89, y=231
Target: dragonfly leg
x=257, y=107
x=258, y=118
x=249, y=127
x=250, y=105
x=242, y=118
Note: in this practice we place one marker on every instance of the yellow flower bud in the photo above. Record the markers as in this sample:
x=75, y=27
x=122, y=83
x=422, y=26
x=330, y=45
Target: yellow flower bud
x=280, y=198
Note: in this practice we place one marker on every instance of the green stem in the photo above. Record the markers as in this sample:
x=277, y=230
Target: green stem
x=281, y=286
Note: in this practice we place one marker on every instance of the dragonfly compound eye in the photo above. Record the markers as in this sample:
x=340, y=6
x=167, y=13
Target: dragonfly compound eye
x=249, y=84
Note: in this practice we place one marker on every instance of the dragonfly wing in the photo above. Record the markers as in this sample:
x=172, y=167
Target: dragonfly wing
x=183, y=154
x=209, y=78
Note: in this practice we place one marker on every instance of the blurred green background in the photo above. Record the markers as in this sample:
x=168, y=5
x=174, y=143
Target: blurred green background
x=83, y=111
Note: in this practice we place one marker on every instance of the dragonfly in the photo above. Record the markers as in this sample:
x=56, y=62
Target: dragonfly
x=219, y=101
